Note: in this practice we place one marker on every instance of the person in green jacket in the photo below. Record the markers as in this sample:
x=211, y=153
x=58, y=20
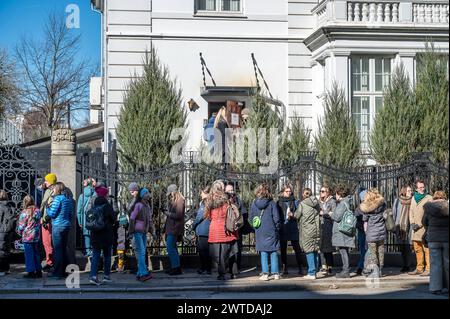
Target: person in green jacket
x=50, y=181
x=308, y=218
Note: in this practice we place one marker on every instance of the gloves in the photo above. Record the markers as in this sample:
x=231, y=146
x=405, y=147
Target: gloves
x=415, y=227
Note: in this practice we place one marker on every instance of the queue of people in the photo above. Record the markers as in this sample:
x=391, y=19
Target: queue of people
x=316, y=226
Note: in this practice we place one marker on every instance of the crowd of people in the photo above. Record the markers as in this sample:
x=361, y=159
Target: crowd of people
x=316, y=226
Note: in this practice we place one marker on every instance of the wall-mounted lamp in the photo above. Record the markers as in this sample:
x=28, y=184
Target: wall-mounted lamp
x=193, y=106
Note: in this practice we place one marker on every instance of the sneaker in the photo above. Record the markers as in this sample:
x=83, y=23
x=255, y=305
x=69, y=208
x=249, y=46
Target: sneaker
x=359, y=271
x=426, y=273
x=106, y=279
x=312, y=277
x=29, y=275
x=276, y=277
x=146, y=277
x=415, y=272
x=95, y=281
x=264, y=277
x=176, y=271
x=47, y=268
x=330, y=271
x=343, y=274
x=323, y=270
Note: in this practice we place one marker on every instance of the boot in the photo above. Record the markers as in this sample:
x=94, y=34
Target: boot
x=176, y=271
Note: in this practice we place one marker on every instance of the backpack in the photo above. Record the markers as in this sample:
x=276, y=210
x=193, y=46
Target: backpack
x=389, y=220
x=347, y=225
x=122, y=218
x=95, y=218
x=234, y=220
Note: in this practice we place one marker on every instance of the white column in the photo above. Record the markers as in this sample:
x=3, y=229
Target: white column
x=407, y=59
x=341, y=70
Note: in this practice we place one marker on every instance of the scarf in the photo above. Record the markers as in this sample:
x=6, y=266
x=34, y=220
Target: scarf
x=290, y=201
x=418, y=197
x=404, y=217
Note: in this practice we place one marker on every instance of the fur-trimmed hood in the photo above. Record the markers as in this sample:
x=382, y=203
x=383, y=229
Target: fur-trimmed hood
x=374, y=206
x=437, y=208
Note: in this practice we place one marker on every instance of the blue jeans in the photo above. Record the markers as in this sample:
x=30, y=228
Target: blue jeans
x=362, y=248
x=87, y=245
x=107, y=252
x=140, y=244
x=172, y=251
x=313, y=262
x=60, y=238
x=273, y=262
x=32, y=257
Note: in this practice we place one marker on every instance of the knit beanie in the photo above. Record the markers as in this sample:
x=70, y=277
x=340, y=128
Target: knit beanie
x=51, y=178
x=133, y=187
x=101, y=191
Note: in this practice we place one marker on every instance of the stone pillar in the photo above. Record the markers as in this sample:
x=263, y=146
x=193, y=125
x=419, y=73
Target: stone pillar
x=63, y=164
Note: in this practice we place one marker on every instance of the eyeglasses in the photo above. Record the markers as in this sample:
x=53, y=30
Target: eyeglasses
x=323, y=191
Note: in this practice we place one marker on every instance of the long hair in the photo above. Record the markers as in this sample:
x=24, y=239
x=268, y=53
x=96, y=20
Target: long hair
x=404, y=189
x=221, y=114
x=176, y=196
x=439, y=195
x=3, y=195
x=263, y=191
x=27, y=202
x=215, y=197
x=59, y=188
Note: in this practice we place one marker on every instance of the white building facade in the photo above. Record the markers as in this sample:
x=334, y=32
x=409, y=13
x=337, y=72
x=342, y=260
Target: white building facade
x=301, y=47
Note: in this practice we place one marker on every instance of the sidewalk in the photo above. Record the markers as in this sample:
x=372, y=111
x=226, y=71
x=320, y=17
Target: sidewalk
x=247, y=281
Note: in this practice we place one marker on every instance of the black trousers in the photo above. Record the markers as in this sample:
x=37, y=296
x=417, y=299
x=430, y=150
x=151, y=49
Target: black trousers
x=297, y=250
x=4, y=264
x=234, y=264
x=221, y=253
x=328, y=258
x=203, y=251
x=405, y=250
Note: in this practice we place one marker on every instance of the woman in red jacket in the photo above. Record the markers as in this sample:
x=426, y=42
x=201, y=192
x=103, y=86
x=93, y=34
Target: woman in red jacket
x=223, y=245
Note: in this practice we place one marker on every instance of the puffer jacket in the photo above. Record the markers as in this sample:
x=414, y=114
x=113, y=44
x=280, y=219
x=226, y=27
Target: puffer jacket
x=85, y=202
x=268, y=234
x=61, y=211
x=308, y=218
x=29, y=225
x=373, y=212
x=7, y=225
x=339, y=239
x=218, y=205
x=436, y=221
x=201, y=224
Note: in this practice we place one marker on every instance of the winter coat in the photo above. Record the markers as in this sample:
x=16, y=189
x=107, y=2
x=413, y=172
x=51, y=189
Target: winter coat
x=175, y=219
x=436, y=220
x=416, y=216
x=373, y=212
x=104, y=237
x=141, y=219
x=268, y=234
x=308, y=218
x=326, y=225
x=85, y=202
x=61, y=210
x=289, y=226
x=217, y=215
x=7, y=225
x=396, y=213
x=46, y=203
x=201, y=224
x=340, y=239
x=29, y=225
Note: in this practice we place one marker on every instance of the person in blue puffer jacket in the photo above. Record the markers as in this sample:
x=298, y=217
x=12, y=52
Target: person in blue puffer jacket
x=60, y=211
x=201, y=228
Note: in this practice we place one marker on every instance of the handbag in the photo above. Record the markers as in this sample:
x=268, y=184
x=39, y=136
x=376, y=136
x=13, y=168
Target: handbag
x=257, y=220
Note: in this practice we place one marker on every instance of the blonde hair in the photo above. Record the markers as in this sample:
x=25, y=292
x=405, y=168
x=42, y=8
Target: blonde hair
x=28, y=201
x=221, y=114
x=176, y=196
x=59, y=188
x=439, y=195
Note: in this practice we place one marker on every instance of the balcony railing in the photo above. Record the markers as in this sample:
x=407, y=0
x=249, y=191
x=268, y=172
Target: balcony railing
x=382, y=12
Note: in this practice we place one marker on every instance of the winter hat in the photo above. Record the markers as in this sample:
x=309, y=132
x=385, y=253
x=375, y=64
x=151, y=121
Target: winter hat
x=38, y=182
x=171, y=189
x=100, y=184
x=51, y=178
x=133, y=187
x=101, y=191
x=143, y=192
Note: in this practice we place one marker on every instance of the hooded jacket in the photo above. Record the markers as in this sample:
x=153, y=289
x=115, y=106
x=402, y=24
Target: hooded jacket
x=218, y=205
x=85, y=202
x=436, y=220
x=308, y=218
x=104, y=237
x=201, y=224
x=373, y=212
x=340, y=239
x=267, y=235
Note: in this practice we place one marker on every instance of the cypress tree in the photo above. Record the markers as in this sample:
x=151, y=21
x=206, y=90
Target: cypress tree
x=394, y=136
x=296, y=139
x=152, y=107
x=338, y=143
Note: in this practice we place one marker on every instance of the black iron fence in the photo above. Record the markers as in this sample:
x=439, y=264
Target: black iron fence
x=191, y=176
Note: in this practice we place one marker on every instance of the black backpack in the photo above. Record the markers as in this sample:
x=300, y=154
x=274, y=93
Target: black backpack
x=95, y=218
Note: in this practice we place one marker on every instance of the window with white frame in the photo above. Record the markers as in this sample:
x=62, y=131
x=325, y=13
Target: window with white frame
x=369, y=77
x=218, y=5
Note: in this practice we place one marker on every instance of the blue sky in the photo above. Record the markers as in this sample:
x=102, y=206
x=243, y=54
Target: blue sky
x=27, y=17
x=18, y=17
